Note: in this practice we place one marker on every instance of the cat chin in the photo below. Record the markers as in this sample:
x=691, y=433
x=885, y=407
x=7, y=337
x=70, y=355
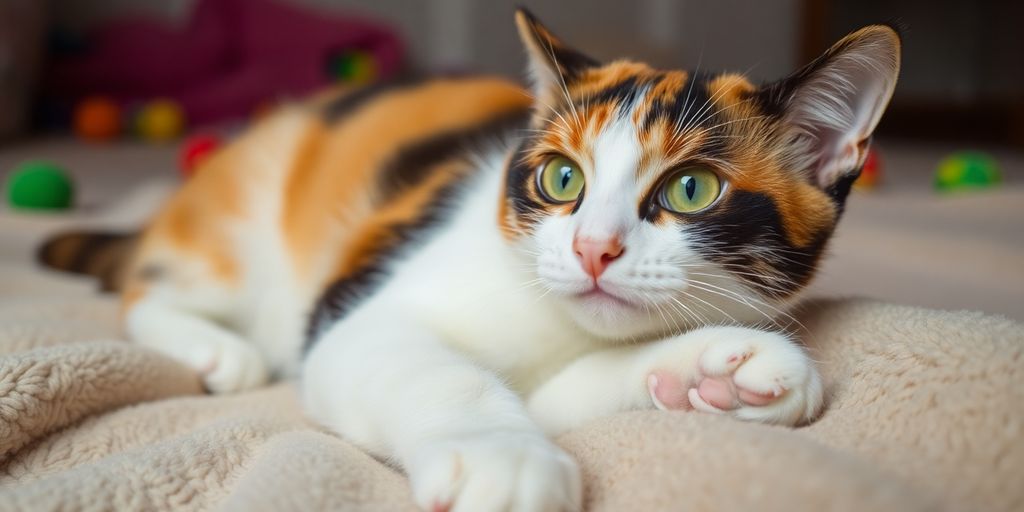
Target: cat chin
x=610, y=318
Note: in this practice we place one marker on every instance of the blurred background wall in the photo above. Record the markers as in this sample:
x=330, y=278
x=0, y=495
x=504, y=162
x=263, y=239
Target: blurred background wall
x=480, y=35
x=963, y=77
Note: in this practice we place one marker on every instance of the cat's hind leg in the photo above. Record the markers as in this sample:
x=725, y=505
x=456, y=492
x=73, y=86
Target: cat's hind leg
x=181, y=309
x=226, y=362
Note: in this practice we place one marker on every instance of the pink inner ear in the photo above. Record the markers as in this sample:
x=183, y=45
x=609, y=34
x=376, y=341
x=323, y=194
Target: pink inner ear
x=844, y=147
x=838, y=158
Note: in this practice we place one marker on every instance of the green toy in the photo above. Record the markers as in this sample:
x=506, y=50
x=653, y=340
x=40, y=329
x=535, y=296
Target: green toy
x=354, y=67
x=39, y=185
x=967, y=170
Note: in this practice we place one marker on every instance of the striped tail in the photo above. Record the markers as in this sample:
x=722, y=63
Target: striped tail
x=100, y=254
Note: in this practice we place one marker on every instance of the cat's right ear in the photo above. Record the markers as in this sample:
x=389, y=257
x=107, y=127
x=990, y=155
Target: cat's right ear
x=552, y=64
x=832, y=105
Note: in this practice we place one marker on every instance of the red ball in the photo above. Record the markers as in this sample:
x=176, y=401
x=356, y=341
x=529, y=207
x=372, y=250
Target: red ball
x=195, y=150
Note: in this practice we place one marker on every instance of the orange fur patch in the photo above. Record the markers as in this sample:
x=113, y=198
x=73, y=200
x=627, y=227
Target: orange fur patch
x=332, y=194
x=598, y=79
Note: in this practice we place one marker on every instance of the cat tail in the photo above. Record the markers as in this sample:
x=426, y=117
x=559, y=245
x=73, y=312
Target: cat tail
x=101, y=254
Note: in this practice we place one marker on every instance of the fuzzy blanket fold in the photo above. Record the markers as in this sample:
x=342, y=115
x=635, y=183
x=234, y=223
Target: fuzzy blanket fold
x=926, y=412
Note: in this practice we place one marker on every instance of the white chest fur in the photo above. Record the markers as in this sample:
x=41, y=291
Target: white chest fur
x=468, y=286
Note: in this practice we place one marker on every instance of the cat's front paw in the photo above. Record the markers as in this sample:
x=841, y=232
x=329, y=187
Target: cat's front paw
x=495, y=471
x=234, y=367
x=744, y=373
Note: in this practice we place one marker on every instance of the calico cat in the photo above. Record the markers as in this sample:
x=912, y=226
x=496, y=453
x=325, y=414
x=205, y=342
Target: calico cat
x=458, y=268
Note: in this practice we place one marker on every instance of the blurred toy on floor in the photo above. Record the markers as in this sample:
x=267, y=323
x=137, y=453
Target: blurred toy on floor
x=230, y=56
x=39, y=185
x=160, y=120
x=195, y=150
x=967, y=170
x=871, y=174
x=97, y=119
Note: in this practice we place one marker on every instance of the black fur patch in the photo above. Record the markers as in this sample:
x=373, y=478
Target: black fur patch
x=650, y=206
x=684, y=107
x=79, y=252
x=99, y=254
x=623, y=94
x=519, y=180
x=693, y=108
x=413, y=163
x=570, y=63
x=737, y=233
x=839, y=190
x=345, y=293
x=347, y=103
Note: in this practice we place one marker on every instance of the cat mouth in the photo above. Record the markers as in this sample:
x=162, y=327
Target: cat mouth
x=601, y=296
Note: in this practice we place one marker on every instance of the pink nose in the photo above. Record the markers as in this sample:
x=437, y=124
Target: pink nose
x=596, y=255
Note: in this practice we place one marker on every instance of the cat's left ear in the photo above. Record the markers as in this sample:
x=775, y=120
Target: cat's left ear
x=552, y=64
x=832, y=105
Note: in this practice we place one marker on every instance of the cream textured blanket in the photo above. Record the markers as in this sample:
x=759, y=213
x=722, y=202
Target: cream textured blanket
x=926, y=412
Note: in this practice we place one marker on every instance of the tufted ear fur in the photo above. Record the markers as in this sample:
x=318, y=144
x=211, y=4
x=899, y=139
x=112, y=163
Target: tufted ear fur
x=831, y=107
x=552, y=64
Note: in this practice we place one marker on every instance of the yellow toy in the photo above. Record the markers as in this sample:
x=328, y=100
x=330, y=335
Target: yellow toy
x=160, y=121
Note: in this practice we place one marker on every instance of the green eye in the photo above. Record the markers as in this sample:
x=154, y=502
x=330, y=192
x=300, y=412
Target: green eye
x=691, y=189
x=561, y=180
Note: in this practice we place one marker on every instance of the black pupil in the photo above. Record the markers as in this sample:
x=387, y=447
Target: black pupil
x=566, y=176
x=690, y=185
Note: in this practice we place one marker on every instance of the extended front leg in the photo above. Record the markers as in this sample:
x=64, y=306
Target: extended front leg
x=745, y=373
x=465, y=439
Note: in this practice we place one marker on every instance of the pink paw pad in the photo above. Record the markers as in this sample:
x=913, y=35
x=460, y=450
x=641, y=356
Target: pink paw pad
x=723, y=394
x=668, y=391
x=718, y=393
x=712, y=394
x=754, y=398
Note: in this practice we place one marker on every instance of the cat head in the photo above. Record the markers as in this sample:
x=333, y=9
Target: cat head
x=650, y=201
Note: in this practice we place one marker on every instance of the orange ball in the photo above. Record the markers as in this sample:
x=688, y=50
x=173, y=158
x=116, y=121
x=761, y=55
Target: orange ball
x=97, y=119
